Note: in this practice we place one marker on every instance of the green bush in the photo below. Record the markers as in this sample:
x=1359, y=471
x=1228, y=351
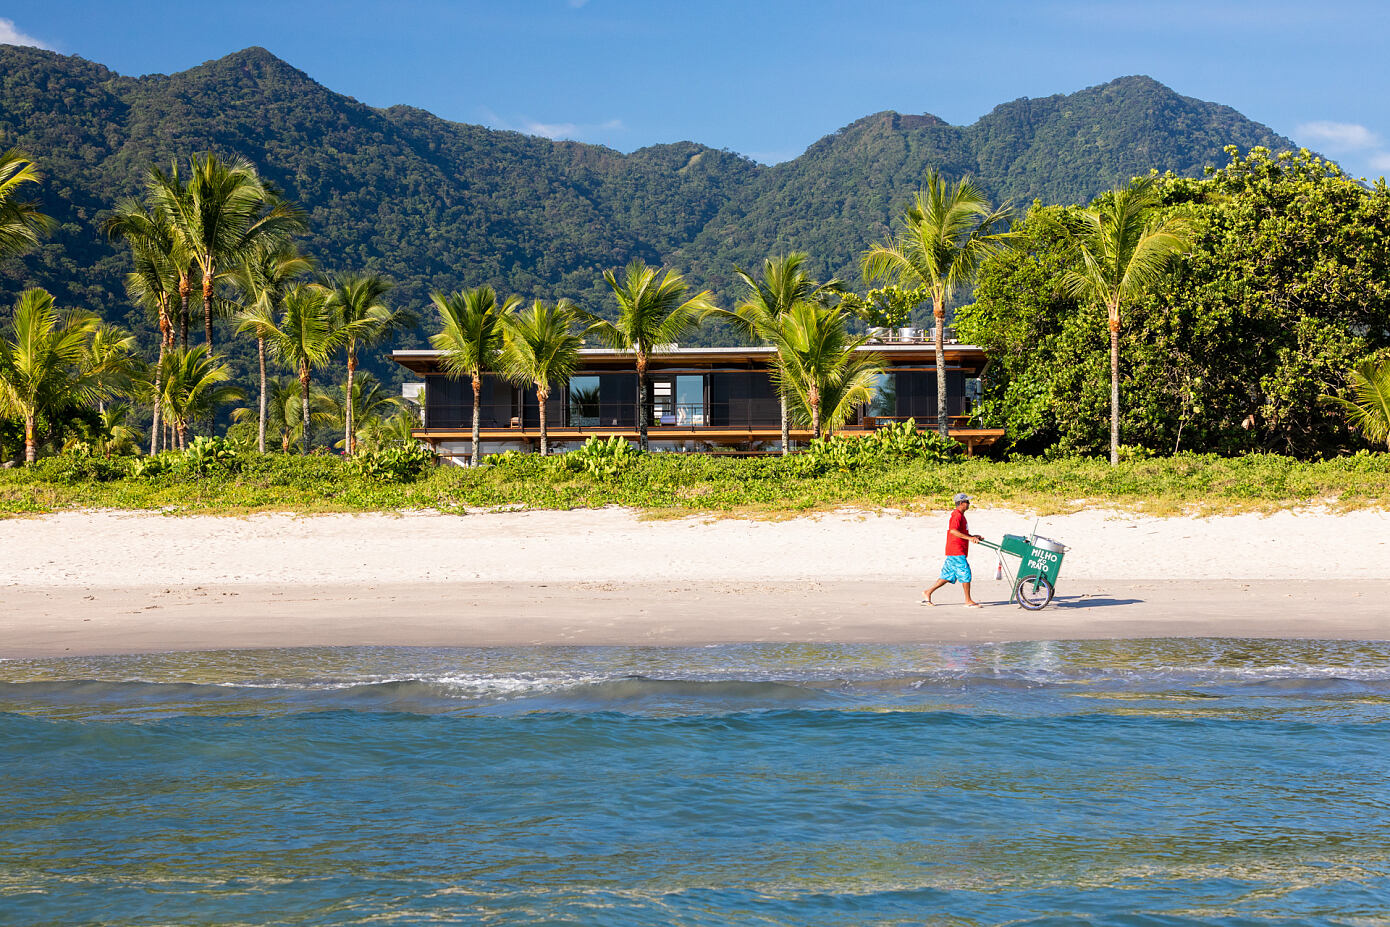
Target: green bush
x=78, y=464
x=898, y=443
x=397, y=463
x=601, y=458
x=207, y=456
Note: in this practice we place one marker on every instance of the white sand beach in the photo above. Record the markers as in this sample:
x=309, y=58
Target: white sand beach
x=102, y=582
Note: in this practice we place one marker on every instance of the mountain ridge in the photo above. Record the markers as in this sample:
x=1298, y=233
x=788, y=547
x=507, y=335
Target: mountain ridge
x=437, y=204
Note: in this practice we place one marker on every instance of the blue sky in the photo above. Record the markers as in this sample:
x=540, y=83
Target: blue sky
x=768, y=78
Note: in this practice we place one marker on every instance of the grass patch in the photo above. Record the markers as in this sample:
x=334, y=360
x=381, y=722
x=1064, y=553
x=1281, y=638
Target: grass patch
x=672, y=484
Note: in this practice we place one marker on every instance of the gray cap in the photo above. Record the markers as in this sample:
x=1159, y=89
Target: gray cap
x=961, y=497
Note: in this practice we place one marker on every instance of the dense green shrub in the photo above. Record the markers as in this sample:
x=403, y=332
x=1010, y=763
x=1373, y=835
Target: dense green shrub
x=602, y=458
x=893, y=444
x=397, y=463
x=210, y=455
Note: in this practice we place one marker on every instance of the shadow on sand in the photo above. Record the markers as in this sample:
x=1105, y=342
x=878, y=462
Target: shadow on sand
x=1091, y=601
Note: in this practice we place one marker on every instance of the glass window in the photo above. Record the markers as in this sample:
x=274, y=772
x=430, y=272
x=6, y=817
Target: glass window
x=885, y=400
x=690, y=400
x=584, y=408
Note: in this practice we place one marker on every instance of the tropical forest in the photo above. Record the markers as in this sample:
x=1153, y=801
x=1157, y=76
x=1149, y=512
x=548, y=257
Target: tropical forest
x=203, y=276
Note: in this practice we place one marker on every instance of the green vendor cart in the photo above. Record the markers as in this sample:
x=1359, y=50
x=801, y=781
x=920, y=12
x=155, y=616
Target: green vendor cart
x=1039, y=563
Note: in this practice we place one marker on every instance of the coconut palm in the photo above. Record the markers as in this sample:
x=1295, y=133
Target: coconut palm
x=542, y=349
x=223, y=214
x=167, y=195
x=653, y=311
x=21, y=223
x=947, y=232
x=160, y=269
x=784, y=284
x=302, y=337
x=470, y=339
x=1123, y=249
x=262, y=278
x=819, y=364
x=111, y=362
x=371, y=404
x=42, y=362
x=195, y=385
x=359, y=307
x=1369, y=408
x=284, y=410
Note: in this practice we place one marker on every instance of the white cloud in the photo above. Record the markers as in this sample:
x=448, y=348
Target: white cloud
x=573, y=131
x=1341, y=136
x=9, y=35
x=1381, y=162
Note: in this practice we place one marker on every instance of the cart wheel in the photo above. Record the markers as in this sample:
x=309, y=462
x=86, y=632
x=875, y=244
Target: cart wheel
x=1033, y=592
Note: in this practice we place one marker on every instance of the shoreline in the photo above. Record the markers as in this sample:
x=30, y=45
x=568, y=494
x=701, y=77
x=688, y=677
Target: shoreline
x=102, y=582
x=90, y=621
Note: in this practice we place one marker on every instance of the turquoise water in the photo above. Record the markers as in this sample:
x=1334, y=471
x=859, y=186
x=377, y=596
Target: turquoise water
x=1142, y=782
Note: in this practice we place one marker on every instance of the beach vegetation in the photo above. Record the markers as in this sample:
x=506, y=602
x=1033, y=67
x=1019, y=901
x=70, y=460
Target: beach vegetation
x=1123, y=246
x=194, y=385
x=1368, y=408
x=541, y=349
x=653, y=313
x=470, y=341
x=44, y=366
x=784, y=283
x=260, y=282
x=361, y=312
x=947, y=232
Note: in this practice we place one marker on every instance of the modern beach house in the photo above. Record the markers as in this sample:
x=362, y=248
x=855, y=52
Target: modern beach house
x=712, y=400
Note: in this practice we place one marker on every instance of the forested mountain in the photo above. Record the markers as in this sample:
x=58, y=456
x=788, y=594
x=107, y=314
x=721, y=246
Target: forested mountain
x=438, y=205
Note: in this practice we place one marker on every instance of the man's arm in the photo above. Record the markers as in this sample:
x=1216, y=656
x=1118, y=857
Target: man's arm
x=967, y=537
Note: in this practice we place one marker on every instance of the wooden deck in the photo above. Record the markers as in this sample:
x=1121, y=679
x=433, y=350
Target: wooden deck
x=971, y=438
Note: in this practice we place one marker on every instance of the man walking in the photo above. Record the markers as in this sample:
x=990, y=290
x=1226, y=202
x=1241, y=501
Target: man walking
x=956, y=569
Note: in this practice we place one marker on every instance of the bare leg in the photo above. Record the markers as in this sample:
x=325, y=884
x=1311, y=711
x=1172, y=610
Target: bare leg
x=968, y=600
x=927, y=593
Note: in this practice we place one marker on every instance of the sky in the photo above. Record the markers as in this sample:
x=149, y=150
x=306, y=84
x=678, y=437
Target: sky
x=766, y=78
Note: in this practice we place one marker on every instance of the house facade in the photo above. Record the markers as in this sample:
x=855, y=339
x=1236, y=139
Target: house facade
x=711, y=400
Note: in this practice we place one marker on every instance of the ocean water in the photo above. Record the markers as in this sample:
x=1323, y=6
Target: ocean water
x=1158, y=782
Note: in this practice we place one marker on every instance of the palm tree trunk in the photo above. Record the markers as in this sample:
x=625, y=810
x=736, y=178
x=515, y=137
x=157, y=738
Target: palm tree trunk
x=165, y=333
x=939, y=315
x=542, y=397
x=207, y=305
x=815, y=414
x=260, y=420
x=30, y=450
x=304, y=398
x=182, y=427
x=642, y=404
x=786, y=427
x=185, y=290
x=477, y=415
x=350, y=438
x=1114, y=391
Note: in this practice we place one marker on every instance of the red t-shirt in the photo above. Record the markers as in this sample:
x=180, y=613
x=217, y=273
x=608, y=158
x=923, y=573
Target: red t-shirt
x=957, y=547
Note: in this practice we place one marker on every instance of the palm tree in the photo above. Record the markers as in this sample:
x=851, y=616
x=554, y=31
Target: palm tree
x=1123, y=251
x=167, y=195
x=195, y=386
x=1369, y=408
x=224, y=213
x=652, y=313
x=263, y=277
x=111, y=362
x=359, y=308
x=302, y=338
x=948, y=231
x=284, y=412
x=113, y=433
x=160, y=270
x=542, y=348
x=42, y=369
x=471, y=339
x=371, y=404
x=785, y=283
x=21, y=223
x=818, y=363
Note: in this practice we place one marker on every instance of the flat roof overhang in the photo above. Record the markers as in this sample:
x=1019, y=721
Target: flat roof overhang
x=426, y=361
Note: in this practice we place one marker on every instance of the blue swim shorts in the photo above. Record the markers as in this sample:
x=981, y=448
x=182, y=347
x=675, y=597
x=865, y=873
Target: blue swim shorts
x=956, y=570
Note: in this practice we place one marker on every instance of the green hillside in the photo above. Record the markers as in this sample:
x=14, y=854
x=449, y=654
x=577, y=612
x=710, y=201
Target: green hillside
x=438, y=205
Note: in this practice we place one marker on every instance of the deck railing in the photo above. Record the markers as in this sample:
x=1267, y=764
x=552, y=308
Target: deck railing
x=603, y=417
